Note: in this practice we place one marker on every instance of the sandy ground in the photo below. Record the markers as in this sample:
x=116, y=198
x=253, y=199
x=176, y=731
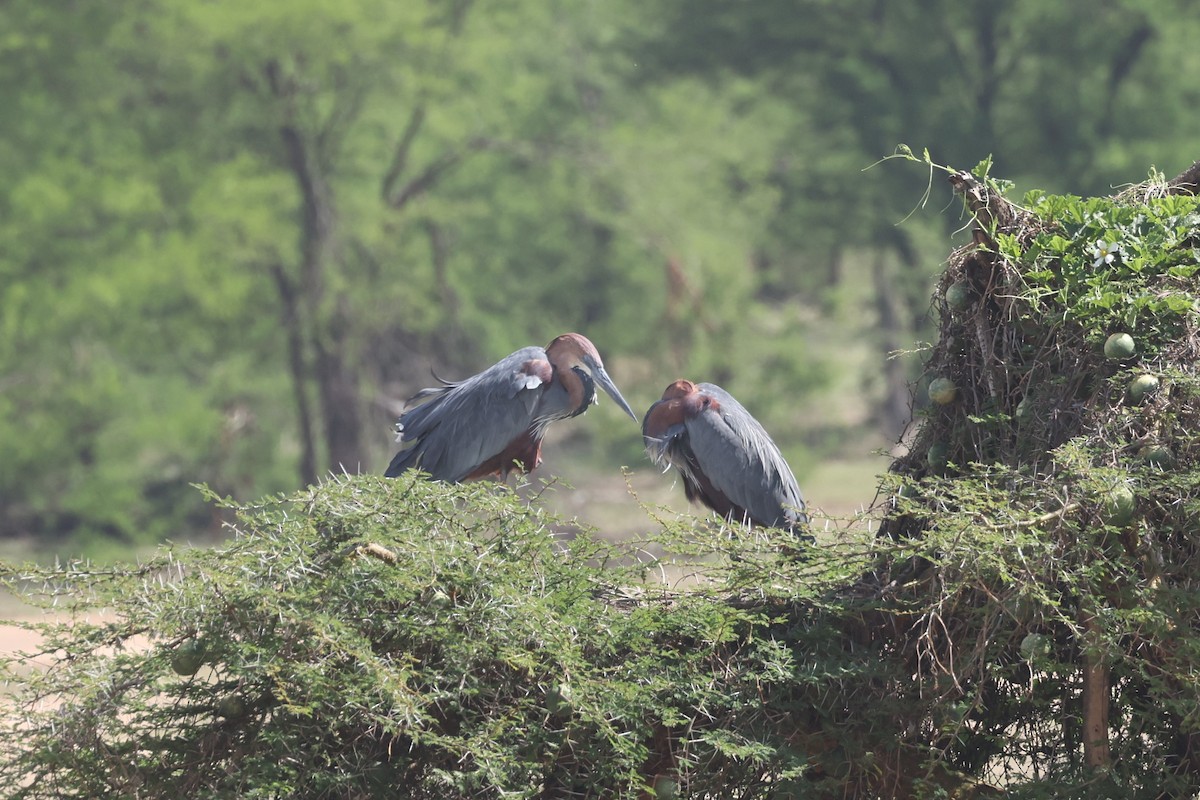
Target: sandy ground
x=14, y=640
x=22, y=644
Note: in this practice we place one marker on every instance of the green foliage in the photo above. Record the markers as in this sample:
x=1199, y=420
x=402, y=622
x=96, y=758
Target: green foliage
x=1112, y=265
x=682, y=181
x=372, y=634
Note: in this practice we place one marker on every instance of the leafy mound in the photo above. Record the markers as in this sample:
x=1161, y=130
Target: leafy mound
x=1042, y=299
x=1056, y=505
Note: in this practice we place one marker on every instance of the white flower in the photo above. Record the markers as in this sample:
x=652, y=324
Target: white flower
x=1105, y=253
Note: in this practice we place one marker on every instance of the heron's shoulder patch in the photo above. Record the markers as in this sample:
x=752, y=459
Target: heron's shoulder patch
x=534, y=373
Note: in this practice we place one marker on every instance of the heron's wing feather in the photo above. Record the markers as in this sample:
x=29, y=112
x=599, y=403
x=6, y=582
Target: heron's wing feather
x=468, y=422
x=742, y=461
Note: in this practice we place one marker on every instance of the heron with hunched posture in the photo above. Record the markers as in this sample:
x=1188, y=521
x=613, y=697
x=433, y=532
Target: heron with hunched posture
x=493, y=422
x=725, y=457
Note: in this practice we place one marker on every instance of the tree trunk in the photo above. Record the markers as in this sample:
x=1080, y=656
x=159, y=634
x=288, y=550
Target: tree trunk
x=1186, y=182
x=1096, y=751
x=337, y=384
x=328, y=330
x=293, y=326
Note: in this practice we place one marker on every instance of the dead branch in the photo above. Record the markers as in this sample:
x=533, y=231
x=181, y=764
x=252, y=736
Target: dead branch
x=989, y=208
x=1186, y=182
x=400, y=156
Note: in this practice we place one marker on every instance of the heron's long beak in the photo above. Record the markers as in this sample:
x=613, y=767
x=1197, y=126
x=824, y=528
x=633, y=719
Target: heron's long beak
x=611, y=388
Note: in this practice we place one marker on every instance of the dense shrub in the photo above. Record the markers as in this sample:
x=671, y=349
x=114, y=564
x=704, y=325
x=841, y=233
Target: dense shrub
x=372, y=634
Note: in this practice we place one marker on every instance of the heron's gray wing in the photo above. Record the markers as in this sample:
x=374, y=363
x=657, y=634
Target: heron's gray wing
x=742, y=461
x=473, y=420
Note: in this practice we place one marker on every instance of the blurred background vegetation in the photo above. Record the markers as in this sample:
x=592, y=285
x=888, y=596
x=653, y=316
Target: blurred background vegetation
x=235, y=236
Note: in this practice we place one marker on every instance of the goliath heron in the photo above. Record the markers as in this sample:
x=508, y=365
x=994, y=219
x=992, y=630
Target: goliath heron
x=493, y=422
x=726, y=459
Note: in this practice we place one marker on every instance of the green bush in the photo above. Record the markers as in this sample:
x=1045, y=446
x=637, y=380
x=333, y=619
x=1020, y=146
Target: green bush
x=372, y=634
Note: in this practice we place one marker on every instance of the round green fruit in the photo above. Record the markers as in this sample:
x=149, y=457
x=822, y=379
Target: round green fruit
x=1141, y=386
x=232, y=707
x=1155, y=455
x=958, y=295
x=942, y=391
x=561, y=698
x=1035, y=646
x=188, y=657
x=937, y=455
x=1119, y=346
x=666, y=788
x=1119, y=505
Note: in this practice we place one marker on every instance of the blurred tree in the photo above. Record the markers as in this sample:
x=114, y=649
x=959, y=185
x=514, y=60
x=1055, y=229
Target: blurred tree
x=96, y=299
x=1062, y=93
x=234, y=236
x=211, y=202
x=171, y=172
